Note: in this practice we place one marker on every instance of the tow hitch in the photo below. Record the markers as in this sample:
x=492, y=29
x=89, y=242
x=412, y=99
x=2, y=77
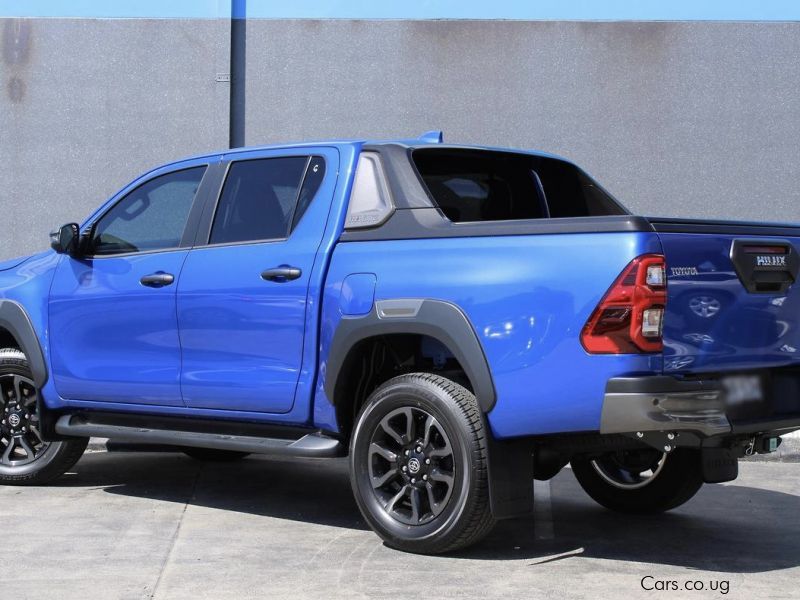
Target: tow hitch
x=762, y=444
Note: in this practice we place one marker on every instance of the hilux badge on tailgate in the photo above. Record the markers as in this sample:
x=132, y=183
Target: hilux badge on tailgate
x=771, y=260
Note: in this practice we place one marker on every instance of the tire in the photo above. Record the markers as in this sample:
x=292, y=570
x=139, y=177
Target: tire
x=615, y=480
x=420, y=439
x=24, y=458
x=213, y=455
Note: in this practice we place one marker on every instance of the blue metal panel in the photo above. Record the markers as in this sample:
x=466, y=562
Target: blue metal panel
x=29, y=284
x=358, y=294
x=242, y=336
x=527, y=298
x=113, y=339
x=712, y=323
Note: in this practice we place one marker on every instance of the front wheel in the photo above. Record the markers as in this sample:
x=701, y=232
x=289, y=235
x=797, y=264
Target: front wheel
x=418, y=465
x=640, y=481
x=25, y=458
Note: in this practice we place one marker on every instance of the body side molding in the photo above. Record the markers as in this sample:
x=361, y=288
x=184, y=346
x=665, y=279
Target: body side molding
x=440, y=320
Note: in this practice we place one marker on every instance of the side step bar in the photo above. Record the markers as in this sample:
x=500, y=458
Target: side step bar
x=310, y=445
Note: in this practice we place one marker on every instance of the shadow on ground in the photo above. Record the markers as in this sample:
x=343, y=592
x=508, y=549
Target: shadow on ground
x=727, y=528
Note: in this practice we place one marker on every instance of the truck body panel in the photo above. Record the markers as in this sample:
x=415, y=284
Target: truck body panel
x=527, y=298
x=713, y=323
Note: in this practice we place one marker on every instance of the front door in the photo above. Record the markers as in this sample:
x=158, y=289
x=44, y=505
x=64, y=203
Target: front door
x=113, y=324
x=242, y=299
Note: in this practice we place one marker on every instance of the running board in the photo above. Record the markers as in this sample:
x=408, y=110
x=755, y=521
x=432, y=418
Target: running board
x=310, y=445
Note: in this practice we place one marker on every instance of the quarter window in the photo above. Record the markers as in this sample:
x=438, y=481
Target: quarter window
x=151, y=217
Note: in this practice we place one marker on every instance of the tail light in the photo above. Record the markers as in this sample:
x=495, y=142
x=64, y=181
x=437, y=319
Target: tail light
x=629, y=318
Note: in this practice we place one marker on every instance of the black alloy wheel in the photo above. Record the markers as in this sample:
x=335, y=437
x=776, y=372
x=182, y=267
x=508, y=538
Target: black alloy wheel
x=411, y=465
x=418, y=464
x=25, y=457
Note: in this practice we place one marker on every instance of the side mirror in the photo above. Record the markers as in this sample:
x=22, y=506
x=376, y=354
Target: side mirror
x=64, y=240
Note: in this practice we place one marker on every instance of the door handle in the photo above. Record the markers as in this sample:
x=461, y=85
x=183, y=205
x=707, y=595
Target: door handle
x=281, y=274
x=157, y=280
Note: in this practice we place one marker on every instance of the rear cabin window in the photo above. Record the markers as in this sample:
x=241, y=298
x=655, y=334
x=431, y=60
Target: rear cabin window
x=479, y=185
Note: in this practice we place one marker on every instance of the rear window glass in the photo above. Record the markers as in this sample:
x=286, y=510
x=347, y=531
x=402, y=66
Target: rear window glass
x=482, y=185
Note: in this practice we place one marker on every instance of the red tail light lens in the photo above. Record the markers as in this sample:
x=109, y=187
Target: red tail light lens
x=629, y=318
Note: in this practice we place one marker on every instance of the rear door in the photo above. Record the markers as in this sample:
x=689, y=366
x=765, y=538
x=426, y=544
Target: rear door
x=243, y=293
x=732, y=303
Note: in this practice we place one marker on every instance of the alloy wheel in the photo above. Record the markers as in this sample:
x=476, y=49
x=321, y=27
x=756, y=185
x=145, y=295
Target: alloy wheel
x=630, y=470
x=411, y=466
x=20, y=438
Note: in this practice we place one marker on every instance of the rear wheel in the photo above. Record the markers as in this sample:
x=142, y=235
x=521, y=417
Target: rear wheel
x=641, y=481
x=418, y=465
x=213, y=455
x=25, y=458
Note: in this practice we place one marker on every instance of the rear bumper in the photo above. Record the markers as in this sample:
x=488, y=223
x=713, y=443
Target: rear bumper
x=668, y=404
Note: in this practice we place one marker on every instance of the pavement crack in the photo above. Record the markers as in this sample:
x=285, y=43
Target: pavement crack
x=175, y=534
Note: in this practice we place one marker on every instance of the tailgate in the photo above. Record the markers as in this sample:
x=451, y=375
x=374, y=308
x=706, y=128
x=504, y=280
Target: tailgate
x=732, y=300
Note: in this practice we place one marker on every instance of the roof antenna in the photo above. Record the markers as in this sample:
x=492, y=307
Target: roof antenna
x=432, y=137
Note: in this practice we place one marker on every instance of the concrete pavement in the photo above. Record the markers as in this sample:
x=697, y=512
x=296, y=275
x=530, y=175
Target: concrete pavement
x=160, y=525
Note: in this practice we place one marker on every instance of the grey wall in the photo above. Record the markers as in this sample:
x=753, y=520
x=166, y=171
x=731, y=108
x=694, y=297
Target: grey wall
x=690, y=119
x=86, y=105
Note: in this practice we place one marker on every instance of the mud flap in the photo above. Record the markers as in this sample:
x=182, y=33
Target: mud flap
x=510, y=478
x=719, y=465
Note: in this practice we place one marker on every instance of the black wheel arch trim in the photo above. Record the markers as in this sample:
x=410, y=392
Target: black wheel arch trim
x=14, y=319
x=438, y=319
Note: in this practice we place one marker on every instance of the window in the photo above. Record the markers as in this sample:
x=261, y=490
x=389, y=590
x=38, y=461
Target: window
x=482, y=185
x=315, y=173
x=151, y=217
x=264, y=199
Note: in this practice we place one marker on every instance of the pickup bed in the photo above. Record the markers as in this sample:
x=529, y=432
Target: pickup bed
x=455, y=320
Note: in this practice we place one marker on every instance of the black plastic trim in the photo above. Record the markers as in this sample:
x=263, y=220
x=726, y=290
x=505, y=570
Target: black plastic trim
x=767, y=278
x=667, y=225
x=764, y=426
x=659, y=384
x=440, y=320
x=14, y=318
x=427, y=223
x=305, y=443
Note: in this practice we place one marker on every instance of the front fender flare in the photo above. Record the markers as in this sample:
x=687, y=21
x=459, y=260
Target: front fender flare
x=434, y=318
x=14, y=318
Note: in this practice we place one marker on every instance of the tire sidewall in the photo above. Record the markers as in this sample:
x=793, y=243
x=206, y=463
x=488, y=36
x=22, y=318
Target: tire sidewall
x=18, y=365
x=396, y=394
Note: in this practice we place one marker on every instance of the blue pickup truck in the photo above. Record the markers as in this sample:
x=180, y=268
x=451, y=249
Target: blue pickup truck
x=456, y=320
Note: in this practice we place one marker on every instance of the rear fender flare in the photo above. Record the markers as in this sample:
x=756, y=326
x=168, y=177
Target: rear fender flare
x=440, y=320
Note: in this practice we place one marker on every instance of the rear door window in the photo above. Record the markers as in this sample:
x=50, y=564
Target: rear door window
x=264, y=199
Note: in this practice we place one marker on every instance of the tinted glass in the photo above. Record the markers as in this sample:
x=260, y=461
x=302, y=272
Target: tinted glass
x=151, y=217
x=313, y=179
x=480, y=185
x=258, y=200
